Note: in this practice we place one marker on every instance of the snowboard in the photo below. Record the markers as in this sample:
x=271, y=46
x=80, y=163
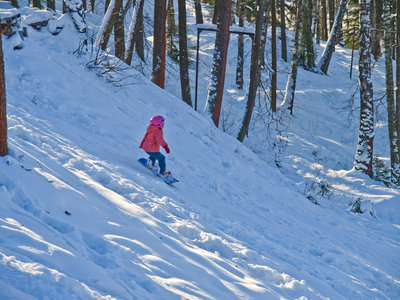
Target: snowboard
x=169, y=181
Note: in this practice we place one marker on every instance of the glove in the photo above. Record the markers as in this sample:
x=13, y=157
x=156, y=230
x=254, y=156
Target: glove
x=166, y=149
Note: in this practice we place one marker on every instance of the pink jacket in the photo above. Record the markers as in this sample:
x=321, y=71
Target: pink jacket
x=153, y=139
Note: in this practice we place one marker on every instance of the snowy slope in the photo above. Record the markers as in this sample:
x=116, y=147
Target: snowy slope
x=233, y=228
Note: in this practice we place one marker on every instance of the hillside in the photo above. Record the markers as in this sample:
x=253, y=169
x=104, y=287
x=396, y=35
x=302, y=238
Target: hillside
x=81, y=219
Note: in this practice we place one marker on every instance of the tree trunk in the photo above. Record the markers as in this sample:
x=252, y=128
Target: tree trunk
x=183, y=54
x=283, y=31
x=216, y=11
x=135, y=34
x=273, y=55
x=324, y=28
x=159, y=43
x=317, y=22
x=50, y=4
x=306, y=51
x=376, y=34
x=37, y=3
x=391, y=108
x=254, y=69
x=171, y=31
x=331, y=9
x=3, y=114
x=365, y=145
x=398, y=74
x=107, y=24
x=323, y=63
x=15, y=3
x=216, y=88
x=264, y=26
x=199, y=14
x=240, y=57
x=119, y=35
x=288, y=101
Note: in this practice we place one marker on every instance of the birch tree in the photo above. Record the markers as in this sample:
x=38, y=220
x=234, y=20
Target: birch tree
x=216, y=86
x=325, y=59
x=183, y=54
x=255, y=69
x=288, y=100
x=365, y=144
x=3, y=114
x=391, y=108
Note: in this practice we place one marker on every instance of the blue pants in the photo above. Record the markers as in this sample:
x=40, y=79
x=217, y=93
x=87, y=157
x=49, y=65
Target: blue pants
x=161, y=160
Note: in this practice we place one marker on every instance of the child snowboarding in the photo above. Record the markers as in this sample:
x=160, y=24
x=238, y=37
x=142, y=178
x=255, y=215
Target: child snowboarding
x=151, y=143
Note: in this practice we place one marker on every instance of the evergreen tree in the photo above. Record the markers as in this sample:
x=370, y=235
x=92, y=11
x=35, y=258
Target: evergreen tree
x=159, y=45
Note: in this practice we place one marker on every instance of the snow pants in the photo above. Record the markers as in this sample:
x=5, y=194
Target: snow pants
x=153, y=156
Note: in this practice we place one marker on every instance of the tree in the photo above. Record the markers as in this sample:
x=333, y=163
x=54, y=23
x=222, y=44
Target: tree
x=50, y=4
x=159, y=45
x=135, y=34
x=365, y=144
x=216, y=87
x=199, y=14
x=398, y=73
x=119, y=34
x=323, y=63
x=283, y=31
x=288, y=100
x=183, y=54
x=324, y=28
x=273, y=56
x=107, y=24
x=15, y=3
x=240, y=56
x=391, y=108
x=306, y=47
x=317, y=22
x=376, y=33
x=172, y=50
x=3, y=114
x=255, y=69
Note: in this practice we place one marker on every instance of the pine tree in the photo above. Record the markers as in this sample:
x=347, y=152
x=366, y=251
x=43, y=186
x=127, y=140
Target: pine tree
x=306, y=49
x=365, y=145
x=398, y=73
x=199, y=14
x=376, y=19
x=273, y=56
x=183, y=54
x=3, y=114
x=216, y=87
x=391, y=108
x=324, y=28
x=283, y=31
x=159, y=43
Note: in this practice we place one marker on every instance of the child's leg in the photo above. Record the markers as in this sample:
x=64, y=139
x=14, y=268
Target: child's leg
x=161, y=159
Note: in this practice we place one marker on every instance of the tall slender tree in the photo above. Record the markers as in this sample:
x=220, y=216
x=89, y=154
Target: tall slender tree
x=365, y=144
x=3, y=114
x=216, y=87
x=391, y=107
x=199, y=14
x=240, y=57
x=288, y=100
x=325, y=60
x=255, y=69
x=183, y=53
x=306, y=50
x=283, y=30
x=159, y=43
x=324, y=27
x=377, y=25
x=398, y=73
x=273, y=56
x=107, y=24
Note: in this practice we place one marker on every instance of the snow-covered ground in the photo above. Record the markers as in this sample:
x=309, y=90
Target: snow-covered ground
x=80, y=218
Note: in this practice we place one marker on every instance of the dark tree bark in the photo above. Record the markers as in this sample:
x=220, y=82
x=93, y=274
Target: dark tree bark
x=199, y=14
x=15, y=3
x=135, y=34
x=306, y=51
x=273, y=54
x=183, y=54
x=216, y=88
x=398, y=73
x=107, y=24
x=377, y=23
x=171, y=31
x=50, y=4
x=283, y=31
x=331, y=9
x=391, y=108
x=324, y=27
x=119, y=35
x=240, y=57
x=317, y=21
x=365, y=145
x=254, y=70
x=37, y=3
x=216, y=11
x=159, y=43
x=3, y=114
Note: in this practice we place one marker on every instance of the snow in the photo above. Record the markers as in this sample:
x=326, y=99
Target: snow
x=80, y=218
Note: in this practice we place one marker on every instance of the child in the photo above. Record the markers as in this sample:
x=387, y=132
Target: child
x=151, y=143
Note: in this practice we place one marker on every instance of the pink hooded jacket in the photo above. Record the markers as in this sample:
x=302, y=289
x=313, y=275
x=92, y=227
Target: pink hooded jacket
x=153, y=139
